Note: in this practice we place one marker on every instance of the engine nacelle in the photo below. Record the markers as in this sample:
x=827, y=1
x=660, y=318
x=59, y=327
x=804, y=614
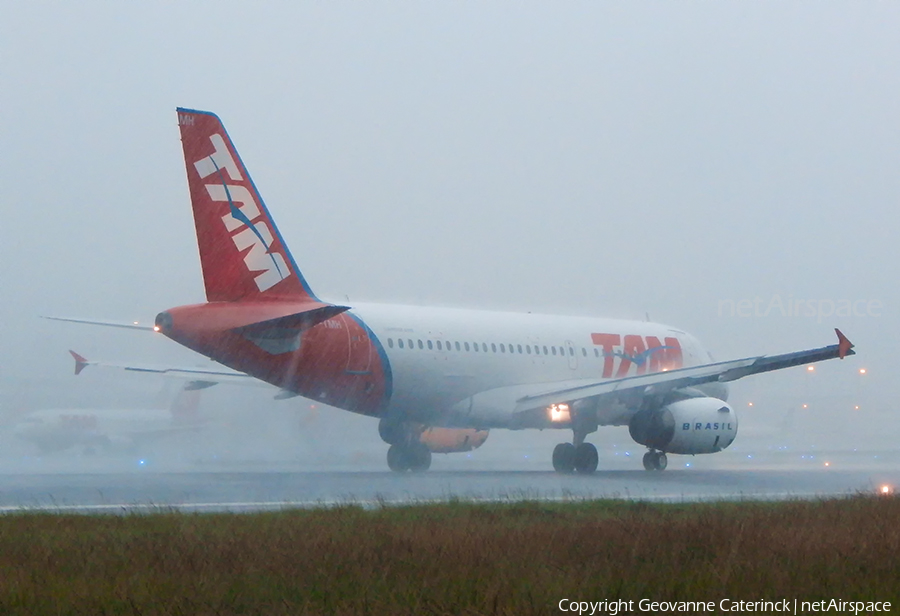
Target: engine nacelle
x=438, y=440
x=695, y=425
x=452, y=440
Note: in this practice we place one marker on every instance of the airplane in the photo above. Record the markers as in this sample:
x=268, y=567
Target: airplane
x=109, y=430
x=438, y=379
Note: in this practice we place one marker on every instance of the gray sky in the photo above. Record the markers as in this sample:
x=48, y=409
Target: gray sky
x=587, y=158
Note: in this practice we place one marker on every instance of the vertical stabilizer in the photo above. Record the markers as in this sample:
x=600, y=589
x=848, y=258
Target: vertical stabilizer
x=241, y=251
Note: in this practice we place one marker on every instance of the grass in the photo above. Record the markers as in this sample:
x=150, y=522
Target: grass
x=455, y=558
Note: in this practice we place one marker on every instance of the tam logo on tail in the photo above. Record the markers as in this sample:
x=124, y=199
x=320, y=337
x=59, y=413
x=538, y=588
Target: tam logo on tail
x=242, y=254
x=255, y=236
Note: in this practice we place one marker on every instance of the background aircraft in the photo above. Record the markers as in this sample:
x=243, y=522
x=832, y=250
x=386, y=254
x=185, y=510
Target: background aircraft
x=109, y=430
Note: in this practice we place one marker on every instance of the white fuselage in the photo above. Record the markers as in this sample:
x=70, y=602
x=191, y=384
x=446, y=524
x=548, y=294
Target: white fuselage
x=440, y=357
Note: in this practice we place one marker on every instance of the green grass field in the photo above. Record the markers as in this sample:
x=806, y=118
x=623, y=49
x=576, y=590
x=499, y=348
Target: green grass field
x=456, y=558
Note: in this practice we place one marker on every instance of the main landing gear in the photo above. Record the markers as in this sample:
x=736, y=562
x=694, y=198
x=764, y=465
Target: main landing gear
x=568, y=458
x=413, y=456
x=655, y=460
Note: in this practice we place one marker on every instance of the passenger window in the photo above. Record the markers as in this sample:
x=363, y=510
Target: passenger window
x=421, y=346
x=571, y=350
x=475, y=346
x=545, y=350
x=484, y=346
x=584, y=351
x=410, y=343
x=596, y=352
x=467, y=346
x=502, y=348
x=520, y=348
x=457, y=346
x=439, y=345
x=493, y=348
x=400, y=342
x=391, y=342
x=528, y=349
x=429, y=345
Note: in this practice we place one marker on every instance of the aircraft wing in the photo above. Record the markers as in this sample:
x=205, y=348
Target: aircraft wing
x=659, y=383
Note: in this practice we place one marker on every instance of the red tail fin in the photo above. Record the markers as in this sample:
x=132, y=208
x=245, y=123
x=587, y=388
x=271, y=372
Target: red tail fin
x=242, y=254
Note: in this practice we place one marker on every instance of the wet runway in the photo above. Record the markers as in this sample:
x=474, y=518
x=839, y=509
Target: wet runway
x=253, y=491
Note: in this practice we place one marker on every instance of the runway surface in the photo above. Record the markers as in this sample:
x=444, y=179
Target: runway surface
x=254, y=491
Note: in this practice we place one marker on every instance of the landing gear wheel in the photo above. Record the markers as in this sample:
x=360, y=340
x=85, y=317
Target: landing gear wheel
x=586, y=458
x=419, y=457
x=564, y=458
x=397, y=459
x=655, y=461
x=661, y=461
x=415, y=457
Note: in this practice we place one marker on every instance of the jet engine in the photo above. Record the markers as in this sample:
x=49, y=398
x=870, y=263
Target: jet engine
x=438, y=440
x=691, y=426
x=452, y=440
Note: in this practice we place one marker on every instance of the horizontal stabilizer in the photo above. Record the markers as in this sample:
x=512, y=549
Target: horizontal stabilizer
x=298, y=320
x=122, y=324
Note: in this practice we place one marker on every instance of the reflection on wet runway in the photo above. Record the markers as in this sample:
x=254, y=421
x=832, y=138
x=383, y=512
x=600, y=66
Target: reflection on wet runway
x=254, y=491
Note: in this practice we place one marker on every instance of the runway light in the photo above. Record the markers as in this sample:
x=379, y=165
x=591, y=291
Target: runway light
x=559, y=413
x=810, y=368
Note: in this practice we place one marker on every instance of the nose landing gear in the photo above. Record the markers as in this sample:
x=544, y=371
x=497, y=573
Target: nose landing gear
x=655, y=461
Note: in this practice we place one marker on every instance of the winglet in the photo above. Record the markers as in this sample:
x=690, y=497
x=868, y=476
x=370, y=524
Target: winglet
x=844, y=345
x=80, y=362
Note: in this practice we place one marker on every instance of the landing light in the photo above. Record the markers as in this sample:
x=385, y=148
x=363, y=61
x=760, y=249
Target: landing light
x=810, y=368
x=805, y=406
x=559, y=413
x=886, y=490
x=828, y=464
x=156, y=328
x=749, y=404
x=862, y=370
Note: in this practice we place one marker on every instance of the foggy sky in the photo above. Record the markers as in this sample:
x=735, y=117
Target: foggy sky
x=610, y=159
